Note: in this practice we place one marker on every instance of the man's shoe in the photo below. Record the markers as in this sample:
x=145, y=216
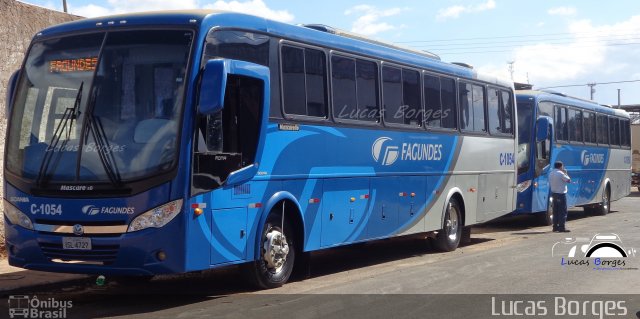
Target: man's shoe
x=555, y=230
x=564, y=231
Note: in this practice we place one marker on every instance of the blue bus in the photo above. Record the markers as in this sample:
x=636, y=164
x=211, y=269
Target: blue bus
x=172, y=142
x=593, y=141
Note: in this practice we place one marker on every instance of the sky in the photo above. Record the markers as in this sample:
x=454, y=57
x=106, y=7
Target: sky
x=547, y=43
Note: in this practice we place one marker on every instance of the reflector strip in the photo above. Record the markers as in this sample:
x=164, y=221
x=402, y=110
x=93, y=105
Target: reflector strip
x=255, y=205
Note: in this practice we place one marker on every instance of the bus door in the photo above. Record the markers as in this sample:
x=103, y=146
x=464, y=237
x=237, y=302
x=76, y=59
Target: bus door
x=544, y=136
x=227, y=141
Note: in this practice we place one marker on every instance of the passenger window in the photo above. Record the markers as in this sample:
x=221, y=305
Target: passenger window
x=562, y=133
x=392, y=95
x=602, y=129
x=493, y=109
x=449, y=110
x=472, y=107
x=367, y=87
x=432, y=103
x=412, y=102
x=506, y=104
x=304, y=82
x=614, y=129
x=343, y=82
x=575, y=126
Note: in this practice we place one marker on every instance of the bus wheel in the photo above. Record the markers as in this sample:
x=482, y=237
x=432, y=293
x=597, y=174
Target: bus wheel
x=546, y=218
x=277, y=254
x=449, y=237
x=605, y=204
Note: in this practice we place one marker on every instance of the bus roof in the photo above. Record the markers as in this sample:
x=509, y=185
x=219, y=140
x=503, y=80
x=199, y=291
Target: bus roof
x=556, y=97
x=207, y=19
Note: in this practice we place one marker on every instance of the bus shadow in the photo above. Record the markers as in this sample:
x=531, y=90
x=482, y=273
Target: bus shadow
x=173, y=292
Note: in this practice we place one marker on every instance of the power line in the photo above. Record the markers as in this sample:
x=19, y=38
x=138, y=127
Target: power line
x=505, y=37
x=587, y=84
x=630, y=36
x=500, y=51
x=546, y=43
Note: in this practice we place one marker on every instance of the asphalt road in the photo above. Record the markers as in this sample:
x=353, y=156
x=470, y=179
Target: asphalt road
x=401, y=277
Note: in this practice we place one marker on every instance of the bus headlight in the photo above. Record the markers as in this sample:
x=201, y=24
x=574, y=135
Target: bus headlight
x=156, y=217
x=523, y=186
x=16, y=217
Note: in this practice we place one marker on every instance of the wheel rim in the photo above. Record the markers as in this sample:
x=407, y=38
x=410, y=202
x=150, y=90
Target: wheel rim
x=605, y=201
x=276, y=250
x=550, y=209
x=451, y=224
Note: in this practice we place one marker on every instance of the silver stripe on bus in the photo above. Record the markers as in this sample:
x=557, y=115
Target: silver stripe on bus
x=64, y=229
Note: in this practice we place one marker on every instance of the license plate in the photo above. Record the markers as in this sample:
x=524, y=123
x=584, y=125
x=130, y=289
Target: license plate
x=77, y=243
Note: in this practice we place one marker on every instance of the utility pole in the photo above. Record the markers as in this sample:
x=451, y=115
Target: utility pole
x=592, y=89
x=64, y=5
x=511, y=68
x=618, y=98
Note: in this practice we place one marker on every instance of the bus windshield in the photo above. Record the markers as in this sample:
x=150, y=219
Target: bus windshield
x=100, y=107
x=525, y=126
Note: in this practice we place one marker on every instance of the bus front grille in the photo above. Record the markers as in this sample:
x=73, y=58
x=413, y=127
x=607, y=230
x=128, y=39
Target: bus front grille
x=104, y=254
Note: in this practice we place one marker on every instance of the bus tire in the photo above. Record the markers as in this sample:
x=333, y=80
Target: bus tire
x=449, y=236
x=274, y=265
x=546, y=218
x=605, y=203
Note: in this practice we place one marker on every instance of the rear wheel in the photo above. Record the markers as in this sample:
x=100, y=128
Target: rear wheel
x=273, y=267
x=546, y=218
x=605, y=203
x=448, y=238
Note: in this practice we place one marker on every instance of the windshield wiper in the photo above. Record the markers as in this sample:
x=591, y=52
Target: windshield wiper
x=94, y=126
x=70, y=115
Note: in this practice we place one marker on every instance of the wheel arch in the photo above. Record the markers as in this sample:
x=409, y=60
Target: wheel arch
x=292, y=211
x=456, y=193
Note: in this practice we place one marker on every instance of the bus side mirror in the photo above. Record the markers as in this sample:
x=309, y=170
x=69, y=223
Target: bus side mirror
x=213, y=86
x=542, y=129
x=11, y=88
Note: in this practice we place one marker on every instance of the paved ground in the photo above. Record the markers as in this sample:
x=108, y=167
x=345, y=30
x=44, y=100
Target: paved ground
x=505, y=257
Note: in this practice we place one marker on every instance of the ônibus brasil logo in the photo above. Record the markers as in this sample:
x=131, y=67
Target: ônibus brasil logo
x=384, y=152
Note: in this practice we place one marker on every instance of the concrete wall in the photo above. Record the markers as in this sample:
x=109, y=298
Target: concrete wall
x=18, y=23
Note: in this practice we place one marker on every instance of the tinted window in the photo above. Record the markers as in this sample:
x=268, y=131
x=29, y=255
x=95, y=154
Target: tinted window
x=525, y=125
x=614, y=129
x=494, y=111
x=304, y=81
x=472, y=107
x=545, y=109
x=506, y=103
x=411, y=97
x=448, y=95
x=432, y=103
x=238, y=45
x=589, y=127
x=625, y=133
x=602, y=129
x=293, y=85
x=315, y=67
x=367, y=87
x=392, y=95
x=575, y=126
x=343, y=82
x=562, y=133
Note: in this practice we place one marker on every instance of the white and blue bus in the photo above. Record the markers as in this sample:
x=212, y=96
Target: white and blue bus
x=172, y=142
x=593, y=141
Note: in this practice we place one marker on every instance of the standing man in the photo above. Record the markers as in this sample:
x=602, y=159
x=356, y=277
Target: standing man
x=558, y=180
